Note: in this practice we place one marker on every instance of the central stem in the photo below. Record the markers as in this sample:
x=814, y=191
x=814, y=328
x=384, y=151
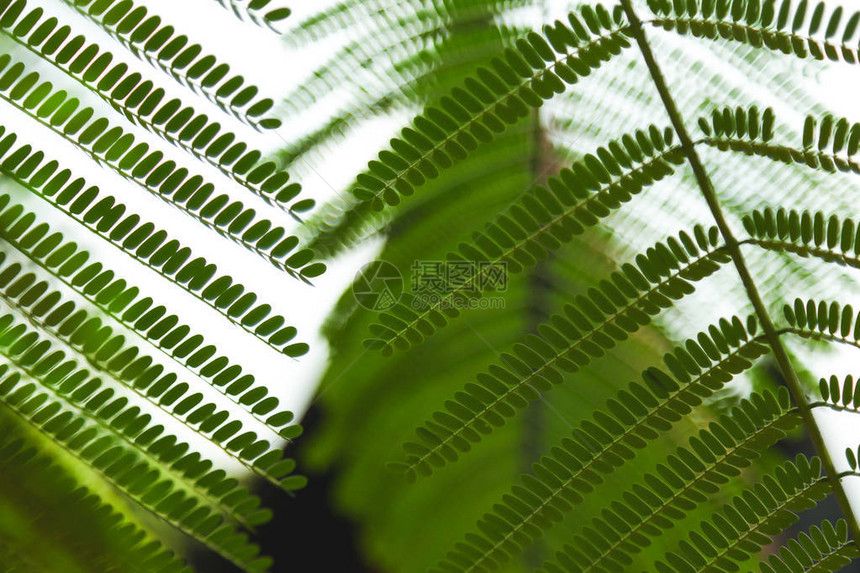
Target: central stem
x=771, y=334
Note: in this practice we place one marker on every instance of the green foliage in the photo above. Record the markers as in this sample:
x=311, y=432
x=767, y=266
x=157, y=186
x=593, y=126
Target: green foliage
x=536, y=70
x=33, y=482
x=829, y=145
x=542, y=383
x=539, y=222
x=806, y=234
x=115, y=149
x=823, y=549
x=121, y=390
x=535, y=149
x=569, y=341
x=148, y=38
x=650, y=510
x=740, y=530
x=576, y=466
x=779, y=25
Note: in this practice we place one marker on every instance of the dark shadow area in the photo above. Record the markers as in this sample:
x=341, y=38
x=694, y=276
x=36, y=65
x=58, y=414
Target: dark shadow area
x=306, y=533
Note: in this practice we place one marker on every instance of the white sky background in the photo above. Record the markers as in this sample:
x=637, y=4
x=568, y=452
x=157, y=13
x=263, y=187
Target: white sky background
x=264, y=60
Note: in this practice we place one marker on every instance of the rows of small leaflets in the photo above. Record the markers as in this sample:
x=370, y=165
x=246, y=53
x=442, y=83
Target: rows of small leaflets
x=743, y=130
x=565, y=343
x=638, y=415
x=264, y=13
x=804, y=29
x=89, y=361
x=109, y=536
x=796, y=29
x=539, y=222
x=599, y=446
x=396, y=58
x=539, y=67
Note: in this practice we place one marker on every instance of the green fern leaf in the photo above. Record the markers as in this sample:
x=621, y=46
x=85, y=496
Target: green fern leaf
x=775, y=25
x=647, y=512
x=825, y=549
x=536, y=224
x=144, y=104
x=160, y=45
x=567, y=343
x=740, y=529
x=806, y=234
x=535, y=71
x=191, y=195
x=559, y=481
x=146, y=244
x=51, y=502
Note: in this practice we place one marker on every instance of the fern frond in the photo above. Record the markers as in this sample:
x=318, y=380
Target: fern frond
x=829, y=146
x=122, y=390
x=608, y=315
x=821, y=320
x=345, y=222
x=825, y=549
x=345, y=14
x=115, y=148
x=147, y=244
x=776, y=25
x=646, y=511
x=191, y=195
x=627, y=427
x=107, y=355
x=400, y=68
x=534, y=72
x=537, y=223
x=261, y=12
x=147, y=487
x=560, y=480
x=378, y=56
x=806, y=234
x=107, y=419
x=144, y=104
x=844, y=396
x=130, y=545
x=739, y=531
x=152, y=323
x=149, y=39
x=125, y=362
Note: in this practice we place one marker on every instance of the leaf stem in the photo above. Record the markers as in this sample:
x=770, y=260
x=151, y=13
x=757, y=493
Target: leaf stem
x=772, y=335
